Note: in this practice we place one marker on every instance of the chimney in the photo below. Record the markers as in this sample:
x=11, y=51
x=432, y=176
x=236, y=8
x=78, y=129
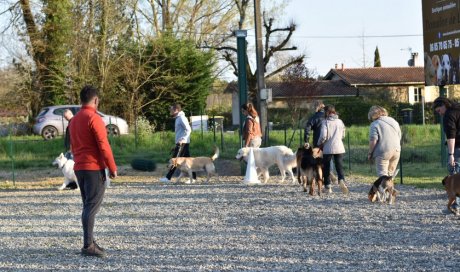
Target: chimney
x=414, y=58
x=343, y=67
x=336, y=66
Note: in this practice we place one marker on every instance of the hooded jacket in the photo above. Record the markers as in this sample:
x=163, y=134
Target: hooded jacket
x=331, y=135
x=182, y=128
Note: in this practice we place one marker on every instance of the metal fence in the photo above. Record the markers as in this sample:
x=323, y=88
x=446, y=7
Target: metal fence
x=20, y=153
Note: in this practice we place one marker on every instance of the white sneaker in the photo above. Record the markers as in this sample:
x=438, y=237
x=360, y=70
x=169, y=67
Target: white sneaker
x=164, y=179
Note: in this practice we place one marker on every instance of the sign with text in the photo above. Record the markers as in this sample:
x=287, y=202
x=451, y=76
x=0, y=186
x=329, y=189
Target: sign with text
x=441, y=41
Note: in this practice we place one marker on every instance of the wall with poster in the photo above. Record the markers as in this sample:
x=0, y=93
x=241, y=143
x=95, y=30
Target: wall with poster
x=441, y=40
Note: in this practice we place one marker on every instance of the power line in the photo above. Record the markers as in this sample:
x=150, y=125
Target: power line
x=358, y=36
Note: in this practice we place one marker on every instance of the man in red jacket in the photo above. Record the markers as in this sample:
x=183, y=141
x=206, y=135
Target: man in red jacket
x=92, y=154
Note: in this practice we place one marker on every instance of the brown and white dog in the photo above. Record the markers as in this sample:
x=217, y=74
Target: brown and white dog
x=452, y=185
x=309, y=168
x=383, y=189
x=195, y=164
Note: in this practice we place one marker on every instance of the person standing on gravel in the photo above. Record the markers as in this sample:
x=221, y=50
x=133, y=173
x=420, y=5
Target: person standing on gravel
x=384, y=141
x=252, y=134
x=314, y=123
x=92, y=154
x=182, y=130
x=450, y=111
x=68, y=115
x=330, y=141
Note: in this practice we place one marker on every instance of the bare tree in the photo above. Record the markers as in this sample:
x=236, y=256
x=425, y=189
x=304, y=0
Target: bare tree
x=273, y=45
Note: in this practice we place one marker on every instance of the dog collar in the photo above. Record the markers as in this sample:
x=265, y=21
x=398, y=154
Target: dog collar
x=64, y=164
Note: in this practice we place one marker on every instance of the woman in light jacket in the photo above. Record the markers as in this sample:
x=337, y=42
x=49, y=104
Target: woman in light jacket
x=384, y=141
x=330, y=140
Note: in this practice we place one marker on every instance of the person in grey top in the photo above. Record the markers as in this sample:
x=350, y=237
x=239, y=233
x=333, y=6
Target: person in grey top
x=384, y=141
x=330, y=141
x=182, y=130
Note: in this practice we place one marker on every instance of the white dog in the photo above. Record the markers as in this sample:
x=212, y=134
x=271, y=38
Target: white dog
x=66, y=166
x=280, y=155
x=445, y=68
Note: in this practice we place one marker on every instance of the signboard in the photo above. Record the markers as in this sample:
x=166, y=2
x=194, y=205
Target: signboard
x=441, y=41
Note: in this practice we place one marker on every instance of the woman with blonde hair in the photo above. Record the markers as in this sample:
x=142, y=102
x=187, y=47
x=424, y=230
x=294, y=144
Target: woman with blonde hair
x=252, y=134
x=384, y=141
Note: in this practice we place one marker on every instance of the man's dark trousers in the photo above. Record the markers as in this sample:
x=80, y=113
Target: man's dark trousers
x=92, y=189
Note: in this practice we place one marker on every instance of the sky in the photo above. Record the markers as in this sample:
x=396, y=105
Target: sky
x=337, y=31
x=396, y=23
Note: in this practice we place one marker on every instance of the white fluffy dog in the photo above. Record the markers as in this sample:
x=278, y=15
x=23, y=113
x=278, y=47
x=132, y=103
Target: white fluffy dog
x=66, y=166
x=265, y=157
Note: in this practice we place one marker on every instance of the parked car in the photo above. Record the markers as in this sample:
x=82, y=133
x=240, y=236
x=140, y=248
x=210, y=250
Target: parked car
x=50, y=122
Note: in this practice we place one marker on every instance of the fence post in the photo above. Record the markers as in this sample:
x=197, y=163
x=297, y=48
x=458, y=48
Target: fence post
x=349, y=152
x=12, y=158
x=401, y=167
x=213, y=126
x=222, y=137
x=285, y=134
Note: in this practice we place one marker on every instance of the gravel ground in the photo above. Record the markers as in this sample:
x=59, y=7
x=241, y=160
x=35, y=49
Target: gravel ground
x=229, y=226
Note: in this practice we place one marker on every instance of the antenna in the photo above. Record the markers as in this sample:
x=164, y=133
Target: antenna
x=407, y=49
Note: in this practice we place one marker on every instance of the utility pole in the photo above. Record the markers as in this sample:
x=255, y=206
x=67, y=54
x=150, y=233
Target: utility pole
x=242, y=80
x=261, y=104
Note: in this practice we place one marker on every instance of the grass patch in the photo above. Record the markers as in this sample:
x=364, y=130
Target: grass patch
x=421, y=150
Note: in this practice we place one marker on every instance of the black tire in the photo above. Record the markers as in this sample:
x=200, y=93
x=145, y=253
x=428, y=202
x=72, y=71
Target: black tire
x=112, y=130
x=49, y=133
x=143, y=164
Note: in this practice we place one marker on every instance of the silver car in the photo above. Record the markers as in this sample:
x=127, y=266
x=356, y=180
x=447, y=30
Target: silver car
x=50, y=122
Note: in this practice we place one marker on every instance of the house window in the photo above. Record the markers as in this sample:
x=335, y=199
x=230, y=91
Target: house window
x=417, y=95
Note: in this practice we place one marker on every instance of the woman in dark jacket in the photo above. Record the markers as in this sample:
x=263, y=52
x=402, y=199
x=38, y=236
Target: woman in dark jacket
x=314, y=123
x=450, y=111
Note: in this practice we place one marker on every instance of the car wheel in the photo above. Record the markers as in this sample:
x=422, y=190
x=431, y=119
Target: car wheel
x=49, y=133
x=113, y=130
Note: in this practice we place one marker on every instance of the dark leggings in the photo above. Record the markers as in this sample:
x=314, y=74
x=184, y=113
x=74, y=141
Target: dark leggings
x=184, y=152
x=338, y=161
x=92, y=189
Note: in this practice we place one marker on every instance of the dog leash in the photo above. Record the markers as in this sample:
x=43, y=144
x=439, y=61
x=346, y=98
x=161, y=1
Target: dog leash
x=64, y=164
x=453, y=169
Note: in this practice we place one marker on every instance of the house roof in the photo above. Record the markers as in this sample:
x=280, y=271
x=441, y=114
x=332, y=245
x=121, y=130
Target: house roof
x=323, y=88
x=378, y=75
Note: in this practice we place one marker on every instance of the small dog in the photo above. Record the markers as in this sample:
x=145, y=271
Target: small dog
x=452, y=185
x=309, y=168
x=436, y=62
x=383, y=190
x=265, y=157
x=66, y=165
x=191, y=164
x=446, y=60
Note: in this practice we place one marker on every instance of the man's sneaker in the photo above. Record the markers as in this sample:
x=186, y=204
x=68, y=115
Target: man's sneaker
x=165, y=179
x=343, y=186
x=328, y=188
x=92, y=250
